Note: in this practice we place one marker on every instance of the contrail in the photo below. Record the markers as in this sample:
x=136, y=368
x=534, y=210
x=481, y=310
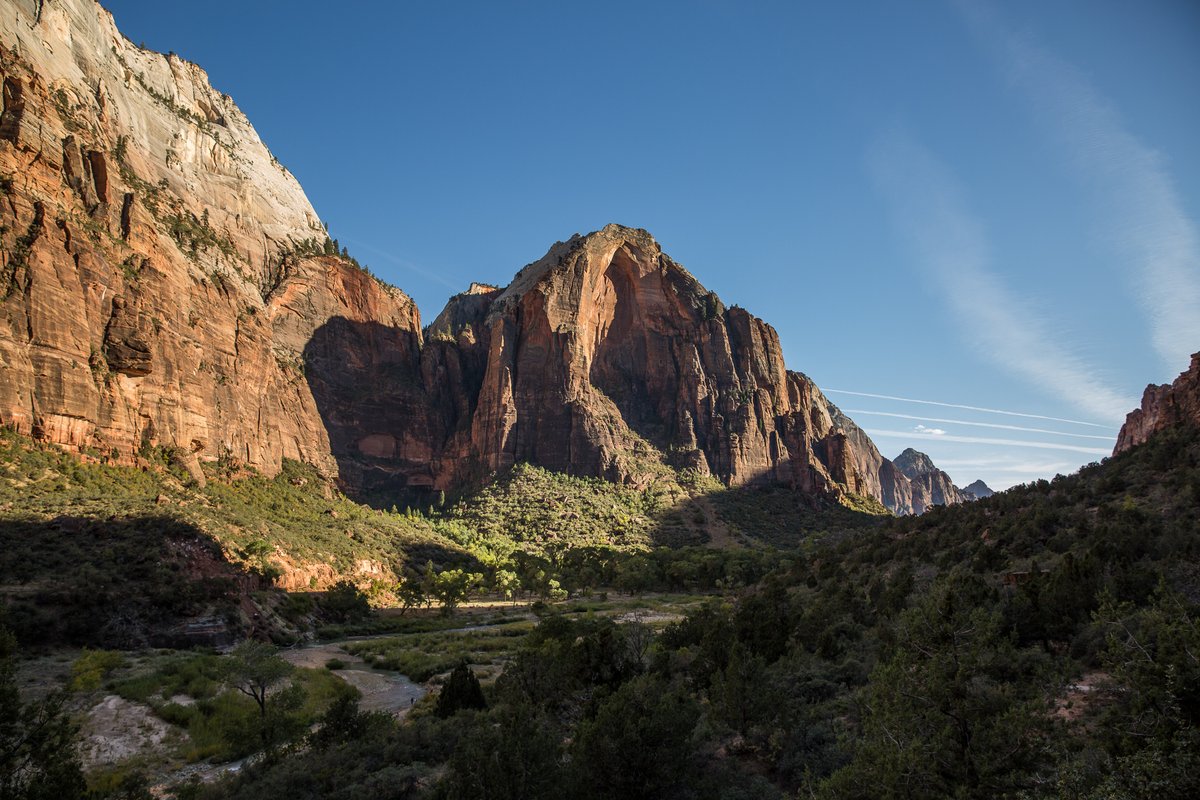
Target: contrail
x=980, y=424
x=408, y=265
x=1098, y=451
x=967, y=408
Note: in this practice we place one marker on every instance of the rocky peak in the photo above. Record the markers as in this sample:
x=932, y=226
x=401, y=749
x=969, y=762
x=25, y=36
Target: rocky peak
x=931, y=486
x=167, y=283
x=914, y=463
x=979, y=490
x=1164, y=406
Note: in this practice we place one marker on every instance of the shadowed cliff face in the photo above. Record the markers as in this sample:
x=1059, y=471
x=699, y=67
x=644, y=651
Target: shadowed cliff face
x=383, y=429
x=163, y=283
x=604, y=358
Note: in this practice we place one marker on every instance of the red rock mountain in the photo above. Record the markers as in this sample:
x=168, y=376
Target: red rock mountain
x=1164, y=406
x=166, y=283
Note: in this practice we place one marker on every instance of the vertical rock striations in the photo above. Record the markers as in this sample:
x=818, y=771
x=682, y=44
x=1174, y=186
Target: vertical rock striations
x=1164, y=406
x=930, y=486
x=607, y=358
x=164, y=282
x=160, y=272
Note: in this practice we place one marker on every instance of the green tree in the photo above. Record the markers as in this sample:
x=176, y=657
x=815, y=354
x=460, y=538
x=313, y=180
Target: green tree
x=453, y=586
x=1153, y=653
x=256, y=670
x=640, y=743
x=462, y=691
x=37, y=739
x=510, y=754
x=345, y=602
x=411, y=591
x=507, y=583
x=949, y=712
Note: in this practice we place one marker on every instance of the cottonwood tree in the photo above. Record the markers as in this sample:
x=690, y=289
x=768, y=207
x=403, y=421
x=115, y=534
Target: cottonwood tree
x=256, y=670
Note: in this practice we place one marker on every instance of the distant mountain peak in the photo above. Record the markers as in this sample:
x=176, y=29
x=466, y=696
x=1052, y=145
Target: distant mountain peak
x=914, y=463
x=979, y=489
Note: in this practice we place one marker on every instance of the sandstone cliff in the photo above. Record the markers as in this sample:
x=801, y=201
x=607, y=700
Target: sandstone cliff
x=607, y=358
x=930, y=486
x=160, y=274
x=1164, y=406
x=167, y=283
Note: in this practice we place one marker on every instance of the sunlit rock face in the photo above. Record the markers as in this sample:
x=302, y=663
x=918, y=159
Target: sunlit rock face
x=1165, y=406
x=153, y=290
x=607, y=358
x=166, y=283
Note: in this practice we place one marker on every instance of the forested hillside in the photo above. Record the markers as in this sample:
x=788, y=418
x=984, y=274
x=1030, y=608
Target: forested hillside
x=1040, y=643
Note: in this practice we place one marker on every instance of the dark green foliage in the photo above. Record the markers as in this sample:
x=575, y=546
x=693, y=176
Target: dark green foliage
x=382, y=760
x=106, y=582
x=37, y=739
x=512, y=753
x=954, y=710
x=461, y=692
x=345, y=602
x=639, y=745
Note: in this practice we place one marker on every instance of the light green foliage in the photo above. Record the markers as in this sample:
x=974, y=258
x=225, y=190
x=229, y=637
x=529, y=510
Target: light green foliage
x=224, y=722
x=543, y=510
x=453, y=586
x=421, y=656
x=92, y=667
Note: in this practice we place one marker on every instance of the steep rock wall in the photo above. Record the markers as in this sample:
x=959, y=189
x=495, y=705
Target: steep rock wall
x=153, y=283
x=1165, y=406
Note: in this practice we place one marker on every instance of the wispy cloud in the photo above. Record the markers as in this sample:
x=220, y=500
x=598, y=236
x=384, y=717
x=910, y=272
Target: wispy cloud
x=921, y=429
x=965, y=408
x=1071, y=448
x=994, y=425
x=1007, y=466
x=1147, y=220
x=928, y=208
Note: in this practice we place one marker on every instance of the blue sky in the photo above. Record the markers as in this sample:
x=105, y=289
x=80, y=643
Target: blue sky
x=990, y=206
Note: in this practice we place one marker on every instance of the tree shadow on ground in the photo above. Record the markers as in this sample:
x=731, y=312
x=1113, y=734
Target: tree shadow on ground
x=122, y=582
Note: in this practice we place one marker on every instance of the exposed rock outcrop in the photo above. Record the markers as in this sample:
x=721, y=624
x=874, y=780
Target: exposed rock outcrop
x=607, y=358
x=166, y=282
x=930, y=486
x=1164, y=406
x=979, y=490
x=153, y=283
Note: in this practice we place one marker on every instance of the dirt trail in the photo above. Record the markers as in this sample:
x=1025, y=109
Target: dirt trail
x=719, y=536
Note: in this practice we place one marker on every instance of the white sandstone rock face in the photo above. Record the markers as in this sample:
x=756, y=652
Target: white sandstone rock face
x=162, y=277
x=179, y=128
